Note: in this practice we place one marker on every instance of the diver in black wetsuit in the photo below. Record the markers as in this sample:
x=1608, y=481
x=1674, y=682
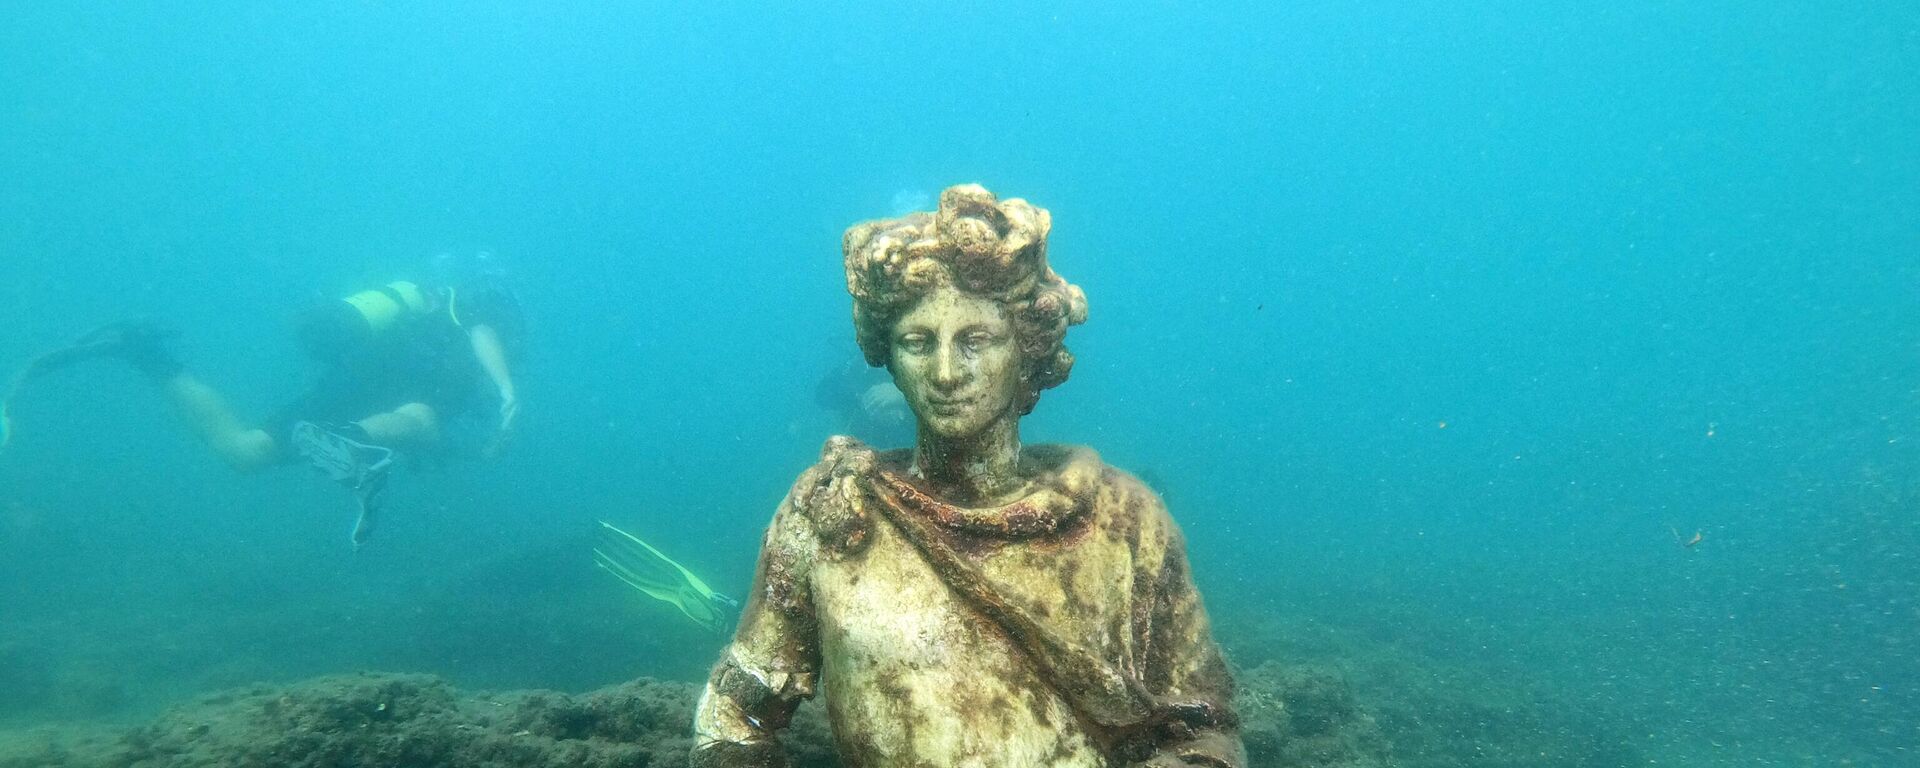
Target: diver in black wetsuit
x=400, y=363
x=865, y=404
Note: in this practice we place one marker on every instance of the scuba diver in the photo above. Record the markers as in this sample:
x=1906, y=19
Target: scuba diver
x=864, y=404
x=400, y=365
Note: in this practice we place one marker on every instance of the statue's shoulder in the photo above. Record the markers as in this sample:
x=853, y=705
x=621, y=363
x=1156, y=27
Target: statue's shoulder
x=837, y=455
x=836, y=452
x=1131, y=486
x=1078, y=471
x=828, y=496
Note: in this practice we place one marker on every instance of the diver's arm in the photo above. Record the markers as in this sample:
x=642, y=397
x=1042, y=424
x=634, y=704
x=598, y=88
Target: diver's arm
x=772, y=663
x=493, y=359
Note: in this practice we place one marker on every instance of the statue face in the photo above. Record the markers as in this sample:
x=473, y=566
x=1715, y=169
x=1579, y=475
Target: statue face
x=954, y=358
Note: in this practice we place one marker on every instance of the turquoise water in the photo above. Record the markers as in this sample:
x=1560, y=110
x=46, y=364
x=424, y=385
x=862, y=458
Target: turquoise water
x=1441, y=329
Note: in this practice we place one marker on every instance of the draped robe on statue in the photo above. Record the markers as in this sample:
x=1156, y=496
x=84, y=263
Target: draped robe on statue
x=1072, y=638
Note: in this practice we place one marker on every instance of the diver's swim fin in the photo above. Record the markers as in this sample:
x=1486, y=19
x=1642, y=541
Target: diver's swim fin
x=141, y=343
x=639, y=565
x=370, y=496
x=358, y=466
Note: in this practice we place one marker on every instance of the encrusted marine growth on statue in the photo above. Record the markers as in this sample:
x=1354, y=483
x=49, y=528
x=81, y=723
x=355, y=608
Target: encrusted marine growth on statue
x=970, y=601
x=986, y=248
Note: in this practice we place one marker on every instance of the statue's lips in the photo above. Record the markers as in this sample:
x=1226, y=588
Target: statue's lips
x=949, y=406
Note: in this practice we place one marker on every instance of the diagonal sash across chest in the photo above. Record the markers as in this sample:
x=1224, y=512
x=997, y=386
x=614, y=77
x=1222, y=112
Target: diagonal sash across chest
x=1118, y=702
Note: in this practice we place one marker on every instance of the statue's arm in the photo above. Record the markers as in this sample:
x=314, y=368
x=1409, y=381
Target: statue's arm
x=1186, y=668
x=773, y=662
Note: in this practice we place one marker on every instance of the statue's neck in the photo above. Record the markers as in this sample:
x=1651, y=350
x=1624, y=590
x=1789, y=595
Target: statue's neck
x=984, y=468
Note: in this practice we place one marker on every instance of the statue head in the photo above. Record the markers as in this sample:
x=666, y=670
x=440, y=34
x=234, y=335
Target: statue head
x=961, y=306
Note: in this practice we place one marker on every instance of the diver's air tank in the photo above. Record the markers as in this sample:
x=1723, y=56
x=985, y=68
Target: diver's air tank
x=337, y=329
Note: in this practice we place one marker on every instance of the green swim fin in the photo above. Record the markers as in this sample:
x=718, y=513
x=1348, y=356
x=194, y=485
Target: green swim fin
x=639, y=565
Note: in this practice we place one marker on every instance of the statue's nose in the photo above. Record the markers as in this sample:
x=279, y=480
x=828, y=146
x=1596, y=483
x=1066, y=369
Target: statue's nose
x=948, y=369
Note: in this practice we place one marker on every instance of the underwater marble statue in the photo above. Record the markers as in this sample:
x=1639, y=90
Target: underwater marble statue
x=971, y=601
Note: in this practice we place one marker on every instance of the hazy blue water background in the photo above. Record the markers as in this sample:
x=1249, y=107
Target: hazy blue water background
x=1650, y=266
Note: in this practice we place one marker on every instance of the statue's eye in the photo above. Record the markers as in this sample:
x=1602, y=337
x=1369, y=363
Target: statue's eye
x=915, y=343
x=978, y=340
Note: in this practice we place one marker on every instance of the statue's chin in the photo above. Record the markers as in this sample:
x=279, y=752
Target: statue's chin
x=953, y=428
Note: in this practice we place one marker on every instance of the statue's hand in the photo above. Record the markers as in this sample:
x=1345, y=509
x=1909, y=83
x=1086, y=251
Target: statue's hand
x=760, y=754
x=1171, y=760
x=1206, y=750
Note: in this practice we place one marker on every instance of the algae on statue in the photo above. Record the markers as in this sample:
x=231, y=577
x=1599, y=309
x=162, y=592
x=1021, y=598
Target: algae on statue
x=970, y=601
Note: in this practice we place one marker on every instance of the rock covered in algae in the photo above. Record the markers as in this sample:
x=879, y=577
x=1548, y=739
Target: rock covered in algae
x=1306, y=716
x=1295, y=717
x=403, y=720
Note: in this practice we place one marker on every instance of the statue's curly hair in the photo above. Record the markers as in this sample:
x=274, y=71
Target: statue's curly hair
x=984, y=247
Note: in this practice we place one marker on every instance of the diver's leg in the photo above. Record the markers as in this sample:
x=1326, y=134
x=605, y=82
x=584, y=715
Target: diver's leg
x=143, y=345
x=243, y=447
x=414, y=425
